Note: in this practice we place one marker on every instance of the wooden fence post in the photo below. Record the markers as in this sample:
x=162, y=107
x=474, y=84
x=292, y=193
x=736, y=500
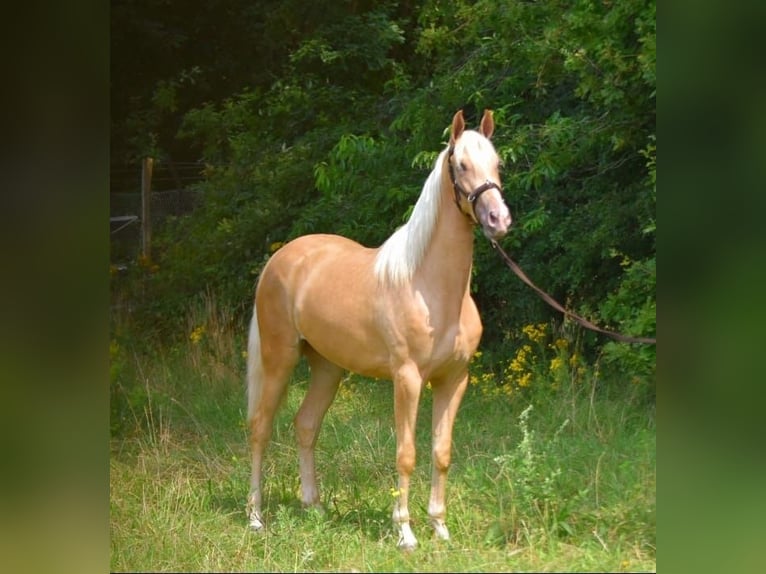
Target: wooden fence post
x=146, y=220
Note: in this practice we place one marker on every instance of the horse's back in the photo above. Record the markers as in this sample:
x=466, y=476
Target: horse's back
x=302, y=257
x=317, y=244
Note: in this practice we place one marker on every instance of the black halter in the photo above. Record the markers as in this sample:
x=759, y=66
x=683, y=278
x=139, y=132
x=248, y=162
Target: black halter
x=472, y=196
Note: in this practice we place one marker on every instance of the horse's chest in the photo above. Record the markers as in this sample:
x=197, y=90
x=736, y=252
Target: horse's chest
x=438, y=333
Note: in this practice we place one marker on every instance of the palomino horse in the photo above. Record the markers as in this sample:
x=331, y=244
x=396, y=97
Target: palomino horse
x=402, y=312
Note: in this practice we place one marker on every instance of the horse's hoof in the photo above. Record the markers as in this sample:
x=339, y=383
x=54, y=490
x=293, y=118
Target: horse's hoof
x=407, y=541
x=440, y=530
x=256, y=524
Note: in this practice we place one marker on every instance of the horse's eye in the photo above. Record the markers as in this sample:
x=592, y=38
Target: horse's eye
x=462, y=166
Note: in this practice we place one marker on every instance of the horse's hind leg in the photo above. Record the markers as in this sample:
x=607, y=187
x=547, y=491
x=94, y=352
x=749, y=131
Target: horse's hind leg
x=325, y=378
x=270, y=363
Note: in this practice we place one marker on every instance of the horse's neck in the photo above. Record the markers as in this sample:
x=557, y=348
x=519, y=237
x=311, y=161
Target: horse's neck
x=449, y=256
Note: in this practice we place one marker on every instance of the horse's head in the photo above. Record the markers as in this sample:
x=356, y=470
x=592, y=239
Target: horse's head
x=474, y=170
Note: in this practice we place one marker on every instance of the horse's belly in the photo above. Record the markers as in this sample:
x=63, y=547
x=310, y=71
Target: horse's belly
x=346, y=343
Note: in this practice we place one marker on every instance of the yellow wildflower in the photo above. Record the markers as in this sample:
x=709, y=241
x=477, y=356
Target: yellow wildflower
x=197, y=334
x=524, y=379
x=535, y=333
x=517, y=365
x=556, y=364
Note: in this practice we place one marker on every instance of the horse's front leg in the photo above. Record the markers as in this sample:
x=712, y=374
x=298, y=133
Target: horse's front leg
x=407, y=387
x=447, y=395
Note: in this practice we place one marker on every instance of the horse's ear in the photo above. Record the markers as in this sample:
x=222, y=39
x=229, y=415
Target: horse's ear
x=487, y=124
x=458, y=125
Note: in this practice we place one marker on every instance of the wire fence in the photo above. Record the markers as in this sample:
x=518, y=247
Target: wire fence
x=173, y=193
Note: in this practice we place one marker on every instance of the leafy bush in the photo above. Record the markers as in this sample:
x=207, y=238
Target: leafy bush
x=340, y=141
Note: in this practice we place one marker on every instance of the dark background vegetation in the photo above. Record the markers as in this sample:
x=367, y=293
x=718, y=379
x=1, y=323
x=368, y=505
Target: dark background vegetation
x=326, y=117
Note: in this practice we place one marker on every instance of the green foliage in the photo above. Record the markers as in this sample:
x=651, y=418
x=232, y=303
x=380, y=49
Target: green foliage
x=532, y=485
x=358, y=197
x=337, y=135
x=633, y=309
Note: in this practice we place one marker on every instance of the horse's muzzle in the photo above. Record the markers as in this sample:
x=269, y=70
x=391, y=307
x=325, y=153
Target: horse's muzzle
x=495, y=218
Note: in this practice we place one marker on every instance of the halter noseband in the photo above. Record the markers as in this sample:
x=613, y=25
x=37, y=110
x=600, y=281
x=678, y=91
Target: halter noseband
x=472, y=196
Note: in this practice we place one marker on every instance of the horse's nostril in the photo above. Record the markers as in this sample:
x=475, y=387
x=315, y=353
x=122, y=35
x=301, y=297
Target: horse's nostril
x=497, y=219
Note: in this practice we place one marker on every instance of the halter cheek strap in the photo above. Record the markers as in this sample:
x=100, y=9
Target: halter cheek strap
x=472, y=196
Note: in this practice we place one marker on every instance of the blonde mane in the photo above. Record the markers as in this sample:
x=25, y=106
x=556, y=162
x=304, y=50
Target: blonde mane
x=403, y=252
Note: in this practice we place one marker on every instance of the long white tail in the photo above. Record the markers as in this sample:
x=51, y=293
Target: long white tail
x=254, y=366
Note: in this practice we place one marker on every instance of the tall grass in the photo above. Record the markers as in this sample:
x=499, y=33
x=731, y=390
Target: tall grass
x=542, y=479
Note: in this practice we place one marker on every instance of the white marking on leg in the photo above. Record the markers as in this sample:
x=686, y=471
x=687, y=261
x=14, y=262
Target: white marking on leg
x=401, y=518
x=407, y=540
x=254, y=512
x=440, y=529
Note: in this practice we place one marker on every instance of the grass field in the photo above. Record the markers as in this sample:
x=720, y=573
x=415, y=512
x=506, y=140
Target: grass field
x=540, y=481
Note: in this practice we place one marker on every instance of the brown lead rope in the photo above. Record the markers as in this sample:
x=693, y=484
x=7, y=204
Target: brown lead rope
x=556, y=305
